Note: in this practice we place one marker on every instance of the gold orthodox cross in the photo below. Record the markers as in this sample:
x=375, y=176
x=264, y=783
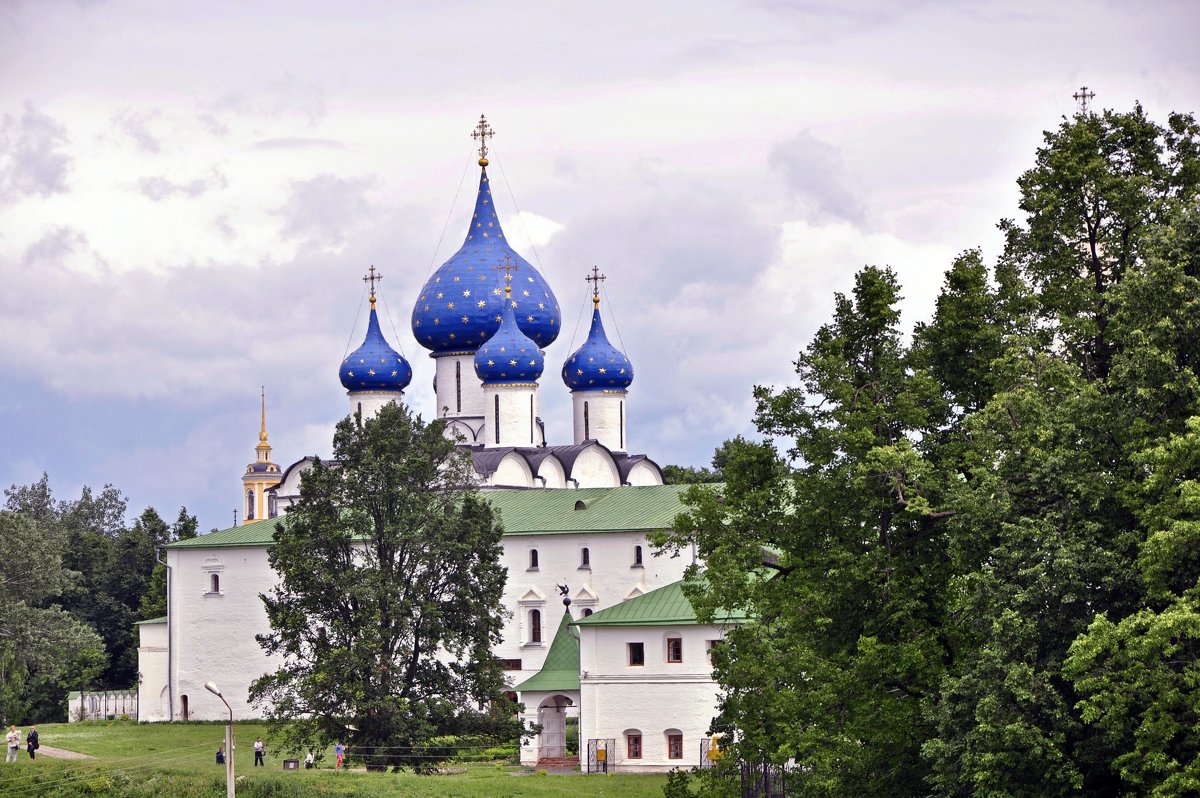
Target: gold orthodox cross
x=372, y=278
x=483, y=131
x=508, y=268
x=1083, y=97
x=595, y=279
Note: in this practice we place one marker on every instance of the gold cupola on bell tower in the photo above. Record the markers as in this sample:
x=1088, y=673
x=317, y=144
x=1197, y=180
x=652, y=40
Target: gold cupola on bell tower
x=261, y=477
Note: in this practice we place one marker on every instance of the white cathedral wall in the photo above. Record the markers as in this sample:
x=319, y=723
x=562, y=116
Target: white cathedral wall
x=512, y=471
x=644, y=474
x=214, y=632
x=551, y=471
x=610, y=578
x=652, y=700
x=513, y=409
x=369, y=403
x=605, y=417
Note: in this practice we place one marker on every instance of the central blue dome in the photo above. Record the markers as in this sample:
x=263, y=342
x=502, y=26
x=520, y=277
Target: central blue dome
x=459, y=307
x=375, y=366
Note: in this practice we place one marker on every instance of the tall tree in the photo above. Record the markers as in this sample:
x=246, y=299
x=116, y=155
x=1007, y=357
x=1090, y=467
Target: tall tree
x=389, y=598
x=846, y=648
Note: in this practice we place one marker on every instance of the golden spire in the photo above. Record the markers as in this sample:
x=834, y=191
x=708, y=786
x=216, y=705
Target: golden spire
x=483, y=131
x=595, y=279
x=508, y=268
x=372, y=278
x=262, y=433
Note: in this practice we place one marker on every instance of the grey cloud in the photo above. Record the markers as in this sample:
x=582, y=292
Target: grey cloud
x=288, y=95
x=160, y=188
x=136, y=125
x=815, y=175
x=32, y=158
x=55, y=246
x=324, y=208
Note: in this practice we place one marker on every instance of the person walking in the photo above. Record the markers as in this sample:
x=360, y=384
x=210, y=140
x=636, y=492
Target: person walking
x=310, y=760
x=14, y=744
x=259, y=753
x=339, y=751
x=31, y=742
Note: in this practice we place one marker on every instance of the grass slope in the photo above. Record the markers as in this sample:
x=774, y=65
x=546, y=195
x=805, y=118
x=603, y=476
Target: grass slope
x=177, y=760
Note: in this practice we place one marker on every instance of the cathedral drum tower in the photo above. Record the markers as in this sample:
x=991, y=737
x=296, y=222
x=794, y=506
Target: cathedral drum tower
x=460, y=308
x=374, y=374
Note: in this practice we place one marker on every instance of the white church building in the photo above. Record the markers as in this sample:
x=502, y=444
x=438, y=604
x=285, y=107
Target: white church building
x=626, y=659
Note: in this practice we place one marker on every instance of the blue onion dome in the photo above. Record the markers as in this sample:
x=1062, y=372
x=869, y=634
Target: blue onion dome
x=375, y=366
x=509, y=356
x=459, y=307
x=597, y=365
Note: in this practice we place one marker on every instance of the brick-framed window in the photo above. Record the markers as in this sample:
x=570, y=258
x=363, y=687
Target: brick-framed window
x=633, y=745
x=637, y=653
x=674, y=746
x=674, y=649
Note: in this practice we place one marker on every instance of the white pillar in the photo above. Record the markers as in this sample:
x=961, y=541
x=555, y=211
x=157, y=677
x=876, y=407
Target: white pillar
x=459, y=392
x=600, y=416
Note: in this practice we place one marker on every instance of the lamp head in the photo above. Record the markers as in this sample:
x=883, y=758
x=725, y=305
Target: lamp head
x=212, y=688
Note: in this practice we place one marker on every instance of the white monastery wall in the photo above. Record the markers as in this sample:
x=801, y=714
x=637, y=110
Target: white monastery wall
x=214, y=631
x=594, y=469
x=369, y=403
x=642, y=475
x=459, y=392
x=517, y=412
x=551, y=470
x=656, y=699
x=152, y=671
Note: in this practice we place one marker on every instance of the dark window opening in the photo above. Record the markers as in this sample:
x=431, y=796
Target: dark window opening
x=675, y=746
x=497, y=397
x=585, y=558
x=637, y=653
x=633, y=744
x=674, y=649
x=587, y=612
x=533, y=560
x=458, y=386
x=637, y=555
x=214, y=583
x=250, y=505
x=535, y=626
x=587, y=433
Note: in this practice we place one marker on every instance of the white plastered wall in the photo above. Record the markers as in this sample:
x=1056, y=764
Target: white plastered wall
x=605, y=417
x=513, y=471
x=609, y=579
x=643, y=474
x=652, y=699
x=594, y=468
x=459, y=392
x=518, y=410
x=152, y=672
x=369, y=403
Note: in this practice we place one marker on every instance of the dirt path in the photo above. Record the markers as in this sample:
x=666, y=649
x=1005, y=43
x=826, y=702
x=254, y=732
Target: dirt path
x=61, y=753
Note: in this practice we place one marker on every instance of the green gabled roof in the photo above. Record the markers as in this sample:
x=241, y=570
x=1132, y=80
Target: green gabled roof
x=523, y=512
x=666, y=606
x=255, y=533
x=560, y=671
x=152, y=620
x=623, y=509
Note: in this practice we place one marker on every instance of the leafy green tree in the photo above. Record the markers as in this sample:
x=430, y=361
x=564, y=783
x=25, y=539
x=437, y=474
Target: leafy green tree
x=841, y=560
x=389, y=599
x=153, y=602
x=37, y=642
x=699, y=475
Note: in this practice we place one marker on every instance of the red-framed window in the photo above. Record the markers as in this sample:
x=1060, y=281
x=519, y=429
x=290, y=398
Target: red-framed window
x=674, y=649
x=633, y=746
x=674, y=746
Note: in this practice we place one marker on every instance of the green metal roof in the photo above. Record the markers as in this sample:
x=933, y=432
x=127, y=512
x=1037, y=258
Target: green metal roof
x=666, y=606
x=623, y=509
x=560, y=671
x=152, y=620
x=523, y=512
x=255, y=533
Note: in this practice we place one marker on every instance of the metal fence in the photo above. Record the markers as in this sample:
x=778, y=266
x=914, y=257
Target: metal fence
x=760, y=780
x=600, y=753
x=102, y=704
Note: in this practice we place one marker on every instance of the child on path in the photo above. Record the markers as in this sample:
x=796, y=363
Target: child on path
x=339, y=751
x=14, y=744
x=258, y=753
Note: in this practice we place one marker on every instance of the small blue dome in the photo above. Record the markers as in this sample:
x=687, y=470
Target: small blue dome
x=510, y=356
x=597, y=365
x=375, y=366
x=459, y=307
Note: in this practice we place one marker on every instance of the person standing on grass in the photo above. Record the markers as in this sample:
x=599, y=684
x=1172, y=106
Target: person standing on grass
x=31, y=742
x=309, y=760
x=339, y=751
x=259, y=753
x=14, y=744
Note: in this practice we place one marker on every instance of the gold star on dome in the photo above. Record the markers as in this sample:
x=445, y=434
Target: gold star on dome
x=480, y=303
x=533, y=362
x=417, y=323
x=457, y=279
x=466, y=292
x=622, y=371
x=426, y=307
x=529, y=318
x=464, y=319
x=452, y=336
x=437, y=321
x=495, y=292
x=503, y=349
x=439, y=294
x=499, y=319
x=514, y=303
x=530, y=279
x=603, y=370
x=394, y=373
x=449, y=306
x=526, y=293
x=349, y=373
x=361, y=361
x=491, y=362
x=541, y=306
x=579, y=372
x=485, y=235
x=371, y=372
x=437, y=279
x=512, y=362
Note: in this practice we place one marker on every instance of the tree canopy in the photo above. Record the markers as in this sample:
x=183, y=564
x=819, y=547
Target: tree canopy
x=975, y=572
x=388, y=603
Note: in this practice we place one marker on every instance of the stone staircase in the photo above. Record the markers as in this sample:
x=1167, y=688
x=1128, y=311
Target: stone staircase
x=559, y=762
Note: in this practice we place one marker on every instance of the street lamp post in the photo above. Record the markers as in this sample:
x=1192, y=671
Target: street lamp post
x=229, y=786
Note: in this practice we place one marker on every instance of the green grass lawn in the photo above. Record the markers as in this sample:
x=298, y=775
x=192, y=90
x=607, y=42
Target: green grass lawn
x=178, y=760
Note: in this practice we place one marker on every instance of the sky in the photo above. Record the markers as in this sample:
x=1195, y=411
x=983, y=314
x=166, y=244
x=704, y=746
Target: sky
x=190, y=194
